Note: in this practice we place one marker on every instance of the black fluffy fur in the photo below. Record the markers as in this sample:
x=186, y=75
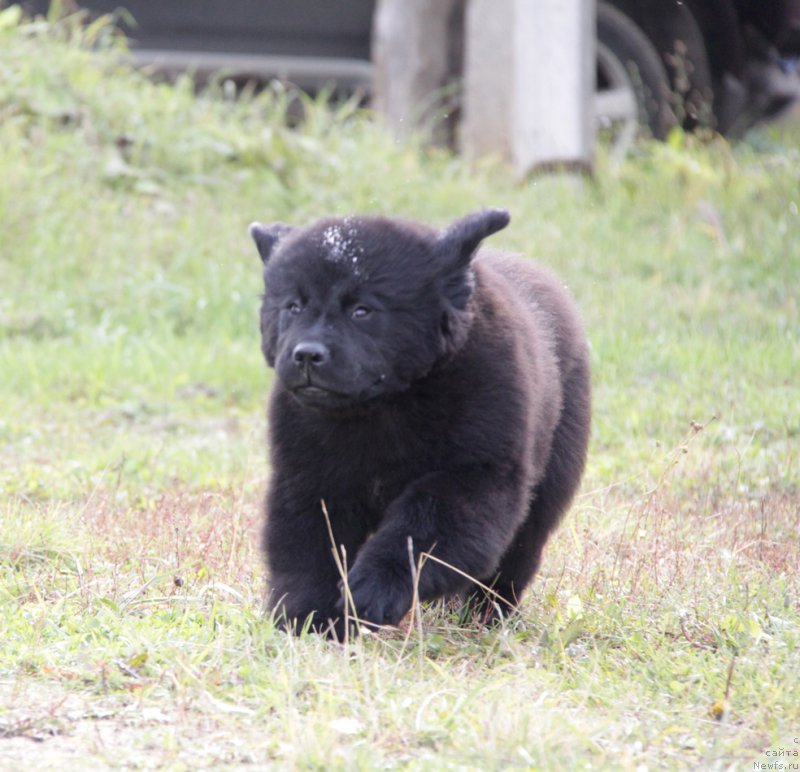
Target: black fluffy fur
x=426, y=389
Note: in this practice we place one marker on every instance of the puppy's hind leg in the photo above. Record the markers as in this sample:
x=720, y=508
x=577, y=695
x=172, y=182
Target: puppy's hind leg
x=550, y=500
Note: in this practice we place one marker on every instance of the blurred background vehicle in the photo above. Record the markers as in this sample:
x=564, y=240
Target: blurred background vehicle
x=309, y=43
x=719, y=63
x=725, y=64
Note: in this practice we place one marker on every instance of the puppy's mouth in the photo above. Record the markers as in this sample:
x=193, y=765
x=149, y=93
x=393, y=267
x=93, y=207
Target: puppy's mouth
x=314, y=395
x=311, y=393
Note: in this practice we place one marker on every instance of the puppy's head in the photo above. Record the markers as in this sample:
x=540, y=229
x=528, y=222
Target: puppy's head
x=358, y=308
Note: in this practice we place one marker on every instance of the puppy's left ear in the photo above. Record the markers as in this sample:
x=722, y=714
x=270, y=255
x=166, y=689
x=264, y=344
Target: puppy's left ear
x=458, y=242
x=268, y=236
x=454, y=249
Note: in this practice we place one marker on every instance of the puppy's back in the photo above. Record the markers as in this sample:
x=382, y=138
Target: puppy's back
x=552, y=307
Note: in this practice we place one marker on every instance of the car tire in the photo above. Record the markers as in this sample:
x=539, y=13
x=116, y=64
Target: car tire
x=632, y=82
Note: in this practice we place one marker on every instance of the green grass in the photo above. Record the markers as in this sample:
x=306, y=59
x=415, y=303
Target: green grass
x=664, y=628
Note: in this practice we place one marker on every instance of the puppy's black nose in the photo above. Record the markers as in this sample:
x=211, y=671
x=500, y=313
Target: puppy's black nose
x=308, y=353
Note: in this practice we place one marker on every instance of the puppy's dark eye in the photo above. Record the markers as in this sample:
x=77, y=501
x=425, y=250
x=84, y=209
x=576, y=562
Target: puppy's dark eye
x=360, y=312
x=294, y=308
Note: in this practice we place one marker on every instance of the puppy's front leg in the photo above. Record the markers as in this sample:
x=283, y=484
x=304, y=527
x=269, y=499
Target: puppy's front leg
x=303, y=575
x=444, y=514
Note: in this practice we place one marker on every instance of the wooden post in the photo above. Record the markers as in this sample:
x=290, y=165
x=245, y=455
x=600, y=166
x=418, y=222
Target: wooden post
x=414, y=50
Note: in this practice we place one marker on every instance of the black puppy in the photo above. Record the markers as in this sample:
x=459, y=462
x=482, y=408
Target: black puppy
x=425, y=391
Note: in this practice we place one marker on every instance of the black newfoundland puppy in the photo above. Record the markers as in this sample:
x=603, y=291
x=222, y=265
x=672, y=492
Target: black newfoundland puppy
x=434, y=396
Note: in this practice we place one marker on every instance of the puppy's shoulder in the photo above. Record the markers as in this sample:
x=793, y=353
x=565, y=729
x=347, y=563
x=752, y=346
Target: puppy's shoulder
x=539, y=294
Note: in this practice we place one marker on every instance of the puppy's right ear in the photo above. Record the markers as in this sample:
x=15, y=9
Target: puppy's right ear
x=268, y=236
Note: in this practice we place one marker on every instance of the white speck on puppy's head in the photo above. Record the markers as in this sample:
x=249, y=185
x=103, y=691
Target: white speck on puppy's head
x=334, y=240
x=341, y=244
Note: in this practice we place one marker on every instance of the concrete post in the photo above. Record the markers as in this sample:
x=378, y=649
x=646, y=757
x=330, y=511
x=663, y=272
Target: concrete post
x=487, y=89
x=529, y=76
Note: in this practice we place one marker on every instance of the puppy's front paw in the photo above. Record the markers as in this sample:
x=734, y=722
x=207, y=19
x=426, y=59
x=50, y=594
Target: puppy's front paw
x=381, y=596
